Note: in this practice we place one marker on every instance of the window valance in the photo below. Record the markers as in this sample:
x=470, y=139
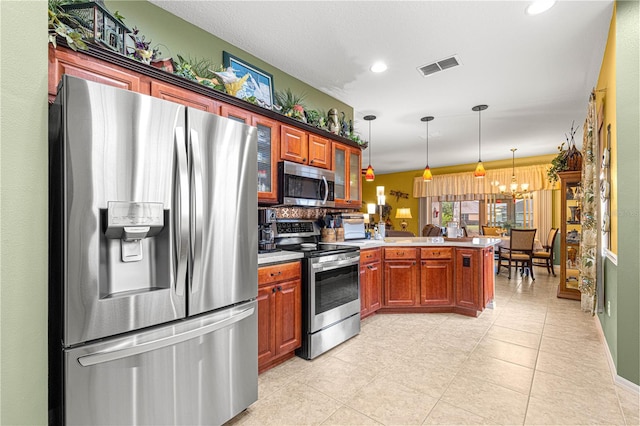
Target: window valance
x=456, y=186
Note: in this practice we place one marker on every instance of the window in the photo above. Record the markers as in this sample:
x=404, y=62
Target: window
x=466, y=213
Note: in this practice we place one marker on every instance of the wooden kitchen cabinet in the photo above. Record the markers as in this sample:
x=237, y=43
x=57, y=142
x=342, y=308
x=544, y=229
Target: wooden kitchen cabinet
x=468, y=273
x=400, y=277
x=436, y=276
x=305, y=148
x=347, y=163
x=488, y=281
x=370, y=282
x=279, y=313
x=268, y=141
x=63, y=61
x=185, y=97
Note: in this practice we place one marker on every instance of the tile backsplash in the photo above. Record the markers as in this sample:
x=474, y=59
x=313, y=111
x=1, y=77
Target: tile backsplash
x=305, y=213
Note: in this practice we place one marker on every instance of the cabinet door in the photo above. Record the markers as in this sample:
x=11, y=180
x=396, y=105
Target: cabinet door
x=319, y=151
x=339, y=160
x=467, y=278
x=236, y=114
x=436, y=282
x=288, y=316
x=266, y=324
x=65, y=61
x=364, y=291
x=268, y=142
x=355, y=167
x=400, y=283
x=570, y=234
x=293, y=144
x=374, y=280
x=185, y=97
x=488, y=268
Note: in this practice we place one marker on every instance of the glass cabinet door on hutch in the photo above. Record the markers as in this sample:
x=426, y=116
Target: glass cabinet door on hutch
x=570, y=233
x=346, y=165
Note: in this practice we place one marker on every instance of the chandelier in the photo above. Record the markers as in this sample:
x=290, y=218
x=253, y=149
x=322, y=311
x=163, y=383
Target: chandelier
x=523, y=191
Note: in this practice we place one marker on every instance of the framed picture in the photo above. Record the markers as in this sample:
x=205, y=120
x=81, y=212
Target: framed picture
x=259, y=83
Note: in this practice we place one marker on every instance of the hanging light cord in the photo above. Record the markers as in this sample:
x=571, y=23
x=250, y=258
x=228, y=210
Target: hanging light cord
x=370, y=144
x=427, y=144
x=479, y=134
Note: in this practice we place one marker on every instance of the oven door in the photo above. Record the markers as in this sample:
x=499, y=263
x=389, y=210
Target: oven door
x=334, y=289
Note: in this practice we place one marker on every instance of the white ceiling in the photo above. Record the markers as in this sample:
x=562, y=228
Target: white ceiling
x=534, y=72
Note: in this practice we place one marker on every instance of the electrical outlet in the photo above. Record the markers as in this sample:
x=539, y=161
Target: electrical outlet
x=608, y=308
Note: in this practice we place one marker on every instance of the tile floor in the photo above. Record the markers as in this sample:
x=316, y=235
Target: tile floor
x=534, y=360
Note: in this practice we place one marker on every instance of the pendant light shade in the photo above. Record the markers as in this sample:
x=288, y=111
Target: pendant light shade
x=479, y=172
x=426, y=175
x=369, y=176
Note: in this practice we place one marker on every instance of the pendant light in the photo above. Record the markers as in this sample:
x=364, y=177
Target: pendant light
x=479, y=172
x=369, y=175
x=426, y=175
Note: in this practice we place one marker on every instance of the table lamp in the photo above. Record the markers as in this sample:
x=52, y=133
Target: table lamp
x=403, y=213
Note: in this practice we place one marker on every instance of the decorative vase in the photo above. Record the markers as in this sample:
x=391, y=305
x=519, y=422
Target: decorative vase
x=573, y=158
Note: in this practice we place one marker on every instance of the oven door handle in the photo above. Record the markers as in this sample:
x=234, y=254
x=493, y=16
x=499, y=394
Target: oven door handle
x=335, y=264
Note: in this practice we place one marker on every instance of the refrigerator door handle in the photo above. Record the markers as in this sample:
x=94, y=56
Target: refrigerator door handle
x=182, y=207
x=197, y=206
x=106, y=356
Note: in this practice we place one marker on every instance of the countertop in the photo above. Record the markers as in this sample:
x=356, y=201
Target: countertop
x=278, y=257
x=471, y=242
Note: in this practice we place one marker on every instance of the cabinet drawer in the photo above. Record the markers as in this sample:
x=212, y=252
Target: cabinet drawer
x=400, y=253
x=275, y=273
x=370, y=255
x=436, y=253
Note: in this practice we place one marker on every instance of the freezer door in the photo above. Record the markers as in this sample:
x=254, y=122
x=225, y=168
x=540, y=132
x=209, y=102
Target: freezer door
x=119, y=165
x=200, y=371
x=224, y=212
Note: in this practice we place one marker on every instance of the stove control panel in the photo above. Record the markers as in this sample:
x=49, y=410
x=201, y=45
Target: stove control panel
x=301, y=228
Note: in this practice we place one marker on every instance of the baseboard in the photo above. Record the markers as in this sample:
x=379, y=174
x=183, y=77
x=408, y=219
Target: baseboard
x=620, y=381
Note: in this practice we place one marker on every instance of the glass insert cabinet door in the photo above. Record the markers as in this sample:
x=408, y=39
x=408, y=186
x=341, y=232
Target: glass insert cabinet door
x=265, y=172
x=354, y=176
x=340, y=167
x=570, y=234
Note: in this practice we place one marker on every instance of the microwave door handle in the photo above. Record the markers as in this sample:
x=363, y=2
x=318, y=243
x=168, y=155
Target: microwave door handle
x=326, y=190
x=197, y=205
x=181, y=213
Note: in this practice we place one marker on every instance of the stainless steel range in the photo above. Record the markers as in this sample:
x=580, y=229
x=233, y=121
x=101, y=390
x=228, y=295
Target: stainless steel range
x=330, y=287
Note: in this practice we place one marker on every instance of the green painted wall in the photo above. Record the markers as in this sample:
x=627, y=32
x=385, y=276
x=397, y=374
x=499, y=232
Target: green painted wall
x=23, y=213
x=628, y=135
x=181, y=37
x=608, y=322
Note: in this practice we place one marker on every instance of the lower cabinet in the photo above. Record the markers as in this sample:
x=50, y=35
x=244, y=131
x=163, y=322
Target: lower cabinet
x=468, y=278
x=400, y=277
x=436, y=277
x=279, y=313
x=370, y=282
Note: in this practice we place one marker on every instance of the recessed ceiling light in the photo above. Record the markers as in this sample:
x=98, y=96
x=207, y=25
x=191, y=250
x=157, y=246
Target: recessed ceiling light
x=539, y=6
x=378, y=67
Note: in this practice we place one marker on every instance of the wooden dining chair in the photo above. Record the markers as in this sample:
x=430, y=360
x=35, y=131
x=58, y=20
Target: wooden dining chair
x=545, y=257
x=520, y=251
x=430, y=230
x=491, y=230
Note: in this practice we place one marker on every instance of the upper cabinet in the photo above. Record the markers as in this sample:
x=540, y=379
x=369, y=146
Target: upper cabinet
x=305, y=148
x=185, y=97
x=347, y=164
x=268, y=141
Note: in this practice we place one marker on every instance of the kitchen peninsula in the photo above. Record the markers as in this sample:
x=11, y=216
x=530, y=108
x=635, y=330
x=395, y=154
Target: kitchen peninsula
x=426, y=274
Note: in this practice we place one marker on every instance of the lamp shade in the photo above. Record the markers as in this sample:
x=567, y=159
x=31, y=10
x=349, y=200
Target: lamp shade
x=369, y=176
x=371, y=208
x=403, y=213
x=426, y=175
x=479, y=172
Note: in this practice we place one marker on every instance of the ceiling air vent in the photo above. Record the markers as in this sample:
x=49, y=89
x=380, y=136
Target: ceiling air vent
x=440, y=65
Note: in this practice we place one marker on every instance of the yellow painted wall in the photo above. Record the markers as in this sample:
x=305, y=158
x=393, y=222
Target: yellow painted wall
x=606, y=100
x=403, y=181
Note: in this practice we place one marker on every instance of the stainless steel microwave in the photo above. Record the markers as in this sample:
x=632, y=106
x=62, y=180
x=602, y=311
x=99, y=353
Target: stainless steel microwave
x=300, y=185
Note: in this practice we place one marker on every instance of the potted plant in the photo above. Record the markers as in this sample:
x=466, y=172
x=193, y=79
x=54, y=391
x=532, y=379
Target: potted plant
x=571, y=159
x=292, y=104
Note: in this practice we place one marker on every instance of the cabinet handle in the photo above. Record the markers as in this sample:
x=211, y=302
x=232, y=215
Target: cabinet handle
x=273, y=290
x=436, y=253
x=275, y=274
x=424, y=263
x=369, y=256
x=414, y=263
x=305, y=159
x=311, y=162
x=279, y=288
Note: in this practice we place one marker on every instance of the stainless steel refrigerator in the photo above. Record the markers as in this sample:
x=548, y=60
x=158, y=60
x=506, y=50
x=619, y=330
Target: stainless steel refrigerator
x=153, y=260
